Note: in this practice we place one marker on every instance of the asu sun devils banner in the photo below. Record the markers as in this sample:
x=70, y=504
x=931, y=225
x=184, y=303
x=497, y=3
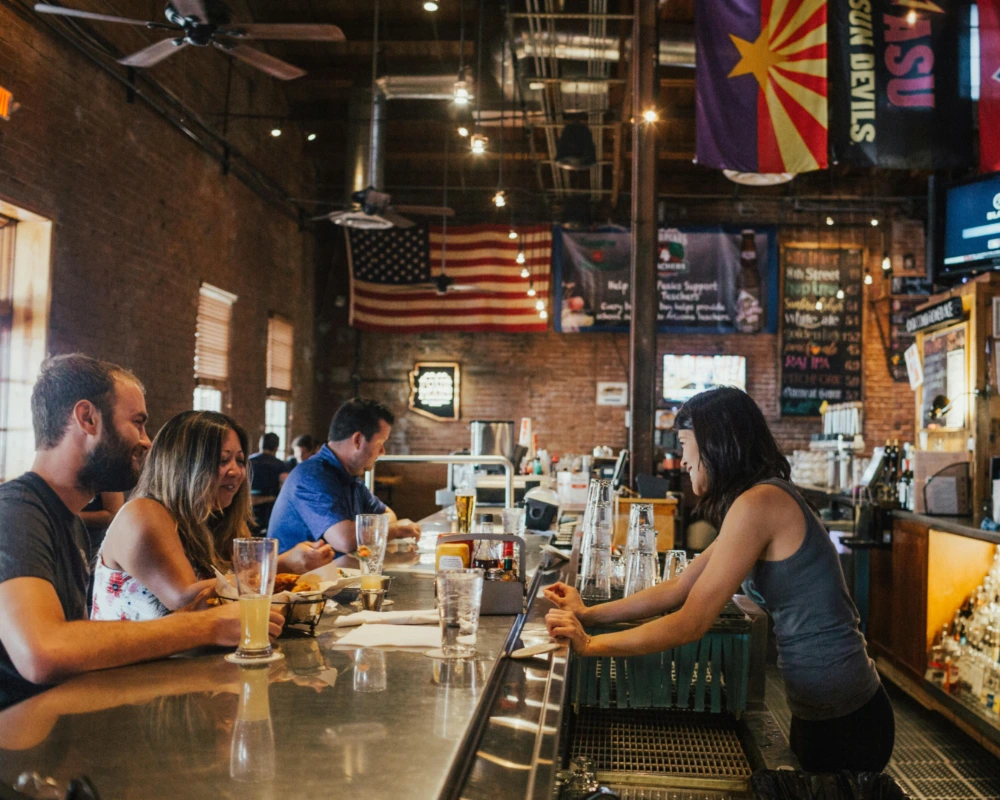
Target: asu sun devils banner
x=898, y=98
x=761, y=84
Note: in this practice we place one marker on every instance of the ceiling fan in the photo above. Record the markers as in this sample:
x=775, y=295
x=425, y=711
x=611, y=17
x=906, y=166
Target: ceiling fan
x=209, y=22
x=374, y=212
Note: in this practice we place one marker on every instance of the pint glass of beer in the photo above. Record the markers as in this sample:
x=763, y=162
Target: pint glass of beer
x=255, y=562
x=465, y=506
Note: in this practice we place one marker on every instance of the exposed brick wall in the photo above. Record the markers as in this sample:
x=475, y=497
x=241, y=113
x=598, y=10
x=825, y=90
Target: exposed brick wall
x=143, y=216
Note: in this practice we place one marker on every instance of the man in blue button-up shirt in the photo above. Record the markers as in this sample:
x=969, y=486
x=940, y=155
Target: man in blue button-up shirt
x=323, y=494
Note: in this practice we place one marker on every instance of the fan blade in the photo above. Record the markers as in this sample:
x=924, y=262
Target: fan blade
x=190, y=9
x=427, y=211
x=45, y=8
x=262, y=61
x=396, y=219
x=154, y=54
x=301, y=33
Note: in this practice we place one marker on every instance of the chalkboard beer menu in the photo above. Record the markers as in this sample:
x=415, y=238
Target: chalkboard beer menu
x=820, y=334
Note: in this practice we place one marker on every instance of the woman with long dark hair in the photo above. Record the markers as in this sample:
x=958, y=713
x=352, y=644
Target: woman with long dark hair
x=773, y=548
x=192, y=501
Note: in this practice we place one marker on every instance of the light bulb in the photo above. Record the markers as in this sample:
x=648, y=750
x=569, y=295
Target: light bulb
x=543, y=314
x=540, y=305
x=512, y=234
x=829, y=220
x=461, y=92
x=276, y=132
x=819, y=305
x=311, y=137
x=912, y=18
x=478, y=144
x=531, y=291
x=868, y=279
x=430, y=5
x=650, y=115
x=520, y=258
x=525, y=273
x=840, y=294
x=463, y=131
x=874, y=222
x=886, y=263
x=499, y=200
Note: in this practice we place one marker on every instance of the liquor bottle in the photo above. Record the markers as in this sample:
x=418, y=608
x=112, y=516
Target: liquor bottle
x=748, y=309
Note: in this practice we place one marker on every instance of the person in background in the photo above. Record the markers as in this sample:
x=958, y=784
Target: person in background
x=775, y=549
x=192, y=501
x=89, y=418
x=322, y=496
x=267, y=473
x=304, y=447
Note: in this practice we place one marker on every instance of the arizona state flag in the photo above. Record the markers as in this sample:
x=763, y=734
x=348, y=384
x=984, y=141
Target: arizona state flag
x=761, y=88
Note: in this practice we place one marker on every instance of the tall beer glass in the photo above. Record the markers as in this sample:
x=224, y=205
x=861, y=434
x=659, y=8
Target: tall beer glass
x=255, y=562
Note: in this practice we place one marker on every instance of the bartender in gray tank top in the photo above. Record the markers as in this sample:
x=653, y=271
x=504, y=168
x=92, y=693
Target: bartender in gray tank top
x=773, y=547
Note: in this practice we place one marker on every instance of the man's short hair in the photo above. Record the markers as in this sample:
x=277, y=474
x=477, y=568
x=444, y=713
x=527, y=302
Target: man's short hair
x=65, y=381
x=357, y=415
x=269, y=441
x=305, y=441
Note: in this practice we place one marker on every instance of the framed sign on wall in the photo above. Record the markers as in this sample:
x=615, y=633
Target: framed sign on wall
x=435, y=389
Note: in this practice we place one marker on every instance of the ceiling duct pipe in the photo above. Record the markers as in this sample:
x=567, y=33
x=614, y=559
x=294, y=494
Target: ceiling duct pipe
x=418, y=87
x=365, y=142
x=676, y=48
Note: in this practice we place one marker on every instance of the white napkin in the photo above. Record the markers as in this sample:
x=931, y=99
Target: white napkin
x=426, y=617
x=393, y=636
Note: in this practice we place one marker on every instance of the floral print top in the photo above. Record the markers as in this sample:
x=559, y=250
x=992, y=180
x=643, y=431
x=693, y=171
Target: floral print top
x=119, y=596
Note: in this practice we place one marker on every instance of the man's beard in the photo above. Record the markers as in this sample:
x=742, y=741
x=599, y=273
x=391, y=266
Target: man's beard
x=109, y=466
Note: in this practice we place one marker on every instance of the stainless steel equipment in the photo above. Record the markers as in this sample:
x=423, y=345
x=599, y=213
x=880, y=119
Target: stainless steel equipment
x=500, y=461
x=492, y=437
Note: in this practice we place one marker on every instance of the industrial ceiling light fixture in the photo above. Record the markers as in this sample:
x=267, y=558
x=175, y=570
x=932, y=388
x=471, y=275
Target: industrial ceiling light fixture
x=531, y=290
x=874, y=222
x=276, y=131
x=840, y=292
x=463, y=131
x=868, y=278
x=512, y=234
x=540, y=305
x=500, y=199
x=430, y=5
x=829, y=220
x=650, y=115
x=886, y=262
x=461, y=93
x=819, y=304
x=543, y=314
x=521, y=260
x=576, y=149
x=311, y=137
x=461, y=89
x=478, y=144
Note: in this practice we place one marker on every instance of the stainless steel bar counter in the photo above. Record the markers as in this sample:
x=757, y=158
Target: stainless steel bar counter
x=372, y=723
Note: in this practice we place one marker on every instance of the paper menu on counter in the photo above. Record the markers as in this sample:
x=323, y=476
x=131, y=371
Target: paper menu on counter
x=392, y=636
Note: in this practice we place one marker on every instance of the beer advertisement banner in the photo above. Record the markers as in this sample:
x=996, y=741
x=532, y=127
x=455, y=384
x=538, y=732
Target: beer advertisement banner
x=899, y=97
x=708, y=280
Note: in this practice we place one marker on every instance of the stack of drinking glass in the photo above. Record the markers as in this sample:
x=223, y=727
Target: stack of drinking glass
x=595, y=550
x=641, y=565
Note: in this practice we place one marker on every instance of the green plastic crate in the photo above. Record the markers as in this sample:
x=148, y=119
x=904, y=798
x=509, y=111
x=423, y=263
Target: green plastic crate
x=708, y=675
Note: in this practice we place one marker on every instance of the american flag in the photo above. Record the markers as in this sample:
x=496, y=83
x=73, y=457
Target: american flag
x=385, y=265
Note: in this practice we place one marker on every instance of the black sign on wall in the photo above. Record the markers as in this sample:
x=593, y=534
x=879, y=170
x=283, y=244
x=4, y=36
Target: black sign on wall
x=898, y=95
x=820, y=334
x=948, y=311
x=435, y=389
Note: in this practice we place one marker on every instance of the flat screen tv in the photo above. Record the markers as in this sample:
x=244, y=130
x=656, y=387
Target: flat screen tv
x=971, y=227
x=685, y=376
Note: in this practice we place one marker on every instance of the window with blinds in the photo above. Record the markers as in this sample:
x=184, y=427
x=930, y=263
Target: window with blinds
x=280, y=338
x=212, y=332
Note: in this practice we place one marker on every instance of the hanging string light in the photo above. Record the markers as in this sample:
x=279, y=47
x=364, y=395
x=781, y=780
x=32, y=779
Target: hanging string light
x=478, y=141
x=819, y=304
x=461, y=88
x=543, y=314
x=868, y=278
x=512, y=234
x=840, y=292
x=540, y=305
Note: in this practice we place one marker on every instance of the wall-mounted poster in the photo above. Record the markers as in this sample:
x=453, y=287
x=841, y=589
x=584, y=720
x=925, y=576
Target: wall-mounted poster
x=435, y=389
x=708, y=280
x=612, y=393
x=820, y=333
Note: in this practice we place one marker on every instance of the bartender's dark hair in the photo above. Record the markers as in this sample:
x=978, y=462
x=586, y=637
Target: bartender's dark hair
x=358, y=414
x=736, y=446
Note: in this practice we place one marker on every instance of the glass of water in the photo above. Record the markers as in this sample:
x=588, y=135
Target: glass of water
x=459, y=595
